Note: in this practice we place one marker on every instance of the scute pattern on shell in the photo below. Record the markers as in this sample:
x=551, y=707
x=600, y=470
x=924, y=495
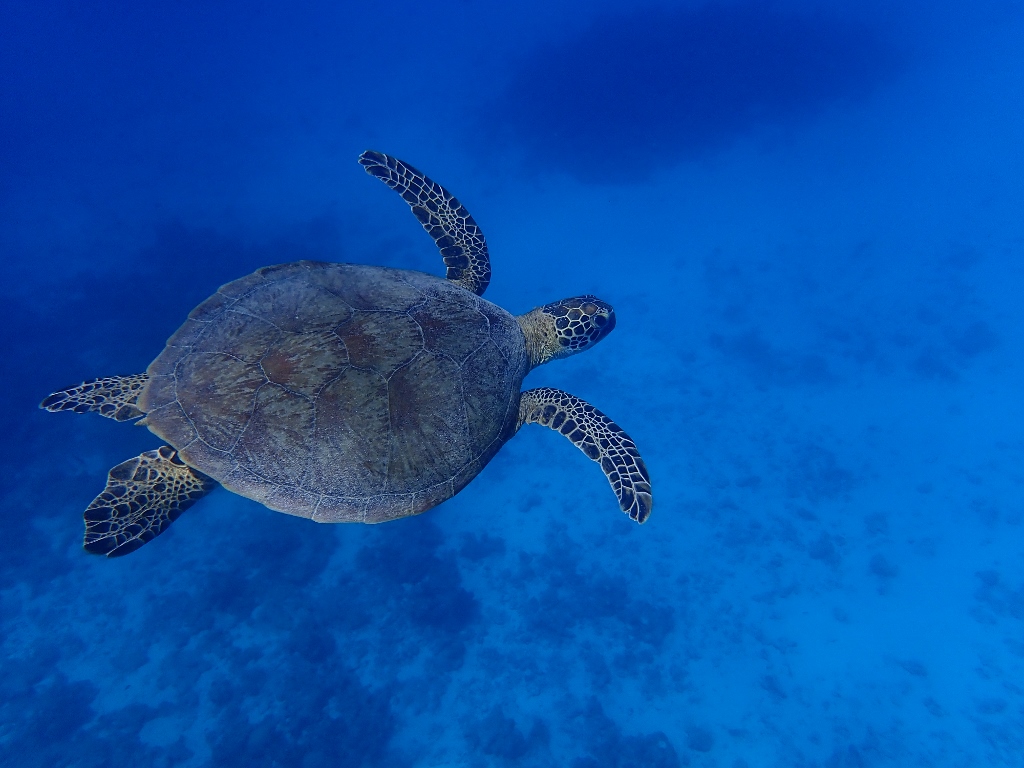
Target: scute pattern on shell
x=339, y=392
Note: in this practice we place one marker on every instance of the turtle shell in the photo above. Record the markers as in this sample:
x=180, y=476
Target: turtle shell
x=339, y=392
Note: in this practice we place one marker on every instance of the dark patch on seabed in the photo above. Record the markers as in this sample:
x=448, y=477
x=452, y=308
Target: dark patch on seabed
x=653, y=86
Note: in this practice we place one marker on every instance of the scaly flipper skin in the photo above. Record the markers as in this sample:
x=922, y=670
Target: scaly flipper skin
x=461, y=242
x=143, y=496
x=600, y=438
x=111, y=396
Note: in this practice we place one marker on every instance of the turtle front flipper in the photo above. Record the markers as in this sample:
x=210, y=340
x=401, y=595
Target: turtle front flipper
x=143, y=496
x=462, y=244
x=112, y=396
x=600, y=438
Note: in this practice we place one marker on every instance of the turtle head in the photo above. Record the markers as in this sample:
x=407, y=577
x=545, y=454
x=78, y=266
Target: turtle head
x=565, y=327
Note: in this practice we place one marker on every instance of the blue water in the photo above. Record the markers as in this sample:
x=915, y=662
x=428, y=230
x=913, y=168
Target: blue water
x=810, y=220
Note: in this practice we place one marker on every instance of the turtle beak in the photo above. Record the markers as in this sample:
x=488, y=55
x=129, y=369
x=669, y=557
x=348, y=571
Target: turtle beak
x=602, y=318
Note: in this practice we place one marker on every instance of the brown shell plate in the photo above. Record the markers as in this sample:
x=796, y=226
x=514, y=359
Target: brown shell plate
x=339, y=392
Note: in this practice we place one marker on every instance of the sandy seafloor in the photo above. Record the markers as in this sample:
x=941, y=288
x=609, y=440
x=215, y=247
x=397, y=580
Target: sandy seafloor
x=810, y=220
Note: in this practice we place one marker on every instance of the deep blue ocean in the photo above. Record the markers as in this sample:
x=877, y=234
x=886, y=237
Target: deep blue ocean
x=809, y=217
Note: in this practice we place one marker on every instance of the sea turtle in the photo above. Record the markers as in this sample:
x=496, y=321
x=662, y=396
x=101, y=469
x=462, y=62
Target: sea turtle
x=348, y=393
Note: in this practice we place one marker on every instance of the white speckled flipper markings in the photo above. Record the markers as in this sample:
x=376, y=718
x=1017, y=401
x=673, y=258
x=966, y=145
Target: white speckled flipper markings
x=143, y=496
x=600, y=438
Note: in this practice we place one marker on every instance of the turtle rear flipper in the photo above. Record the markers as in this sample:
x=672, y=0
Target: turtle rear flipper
x=112, y=396
x=446, y=220
x=143, y=496
x=600, y=438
